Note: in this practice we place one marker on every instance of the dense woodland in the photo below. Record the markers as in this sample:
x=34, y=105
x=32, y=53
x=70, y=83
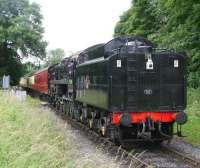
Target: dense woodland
x=169, y=23
x=173, y=24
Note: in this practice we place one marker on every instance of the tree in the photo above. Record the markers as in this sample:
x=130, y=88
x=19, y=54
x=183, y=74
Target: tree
x=20, y=32
x=29, y=68
x=138, y=20
x=181, y=32
x=55, y=56
x=169, y=24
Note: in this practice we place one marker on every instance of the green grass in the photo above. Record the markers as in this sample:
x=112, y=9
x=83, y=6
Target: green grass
x=192, y=128
x=32, y=137
x=28, y=137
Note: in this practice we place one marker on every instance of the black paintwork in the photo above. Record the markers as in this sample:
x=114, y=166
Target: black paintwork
x=98, y=81
x=126, y=88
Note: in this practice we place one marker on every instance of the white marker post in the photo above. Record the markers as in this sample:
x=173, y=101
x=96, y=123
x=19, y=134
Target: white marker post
x=6, y=82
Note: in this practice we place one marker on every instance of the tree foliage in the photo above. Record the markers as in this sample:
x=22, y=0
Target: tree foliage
x=30, y=68
x=20, y=32
x=55, y=56
x=170, y=24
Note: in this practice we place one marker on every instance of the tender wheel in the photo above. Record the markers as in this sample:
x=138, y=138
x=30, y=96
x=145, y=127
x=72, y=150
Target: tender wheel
x=113, y=134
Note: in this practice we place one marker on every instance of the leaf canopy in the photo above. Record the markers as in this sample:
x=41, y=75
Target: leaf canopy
x=21, y=27
x=21, y=35
x=170, y=24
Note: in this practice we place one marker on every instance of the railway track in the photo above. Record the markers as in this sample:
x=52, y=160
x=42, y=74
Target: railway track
x=130, y=158
x=187, y=159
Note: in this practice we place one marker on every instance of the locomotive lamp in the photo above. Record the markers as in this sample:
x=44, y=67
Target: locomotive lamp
x=148, y=57
x=149, y=63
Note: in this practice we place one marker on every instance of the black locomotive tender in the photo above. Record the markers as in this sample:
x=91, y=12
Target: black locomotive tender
x=125, y=89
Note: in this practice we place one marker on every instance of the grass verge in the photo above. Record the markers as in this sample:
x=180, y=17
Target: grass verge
x=192, y=128
x=28, y=138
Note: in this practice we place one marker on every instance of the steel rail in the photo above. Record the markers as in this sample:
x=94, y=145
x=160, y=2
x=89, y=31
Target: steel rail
x=121, y=153
x=183, y=156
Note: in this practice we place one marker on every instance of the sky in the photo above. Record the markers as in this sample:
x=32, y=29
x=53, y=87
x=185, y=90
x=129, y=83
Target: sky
x=74, y=25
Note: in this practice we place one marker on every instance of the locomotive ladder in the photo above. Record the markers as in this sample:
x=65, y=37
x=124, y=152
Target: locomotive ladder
x=131, y=82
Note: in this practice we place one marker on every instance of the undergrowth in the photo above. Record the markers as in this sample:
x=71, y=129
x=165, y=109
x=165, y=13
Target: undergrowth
x=192, y=128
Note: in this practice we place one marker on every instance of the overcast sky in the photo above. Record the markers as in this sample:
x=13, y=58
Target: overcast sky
x=77, y=24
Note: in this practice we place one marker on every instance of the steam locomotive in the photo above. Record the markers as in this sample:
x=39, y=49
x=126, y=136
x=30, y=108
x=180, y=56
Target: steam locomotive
x=126, y=89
